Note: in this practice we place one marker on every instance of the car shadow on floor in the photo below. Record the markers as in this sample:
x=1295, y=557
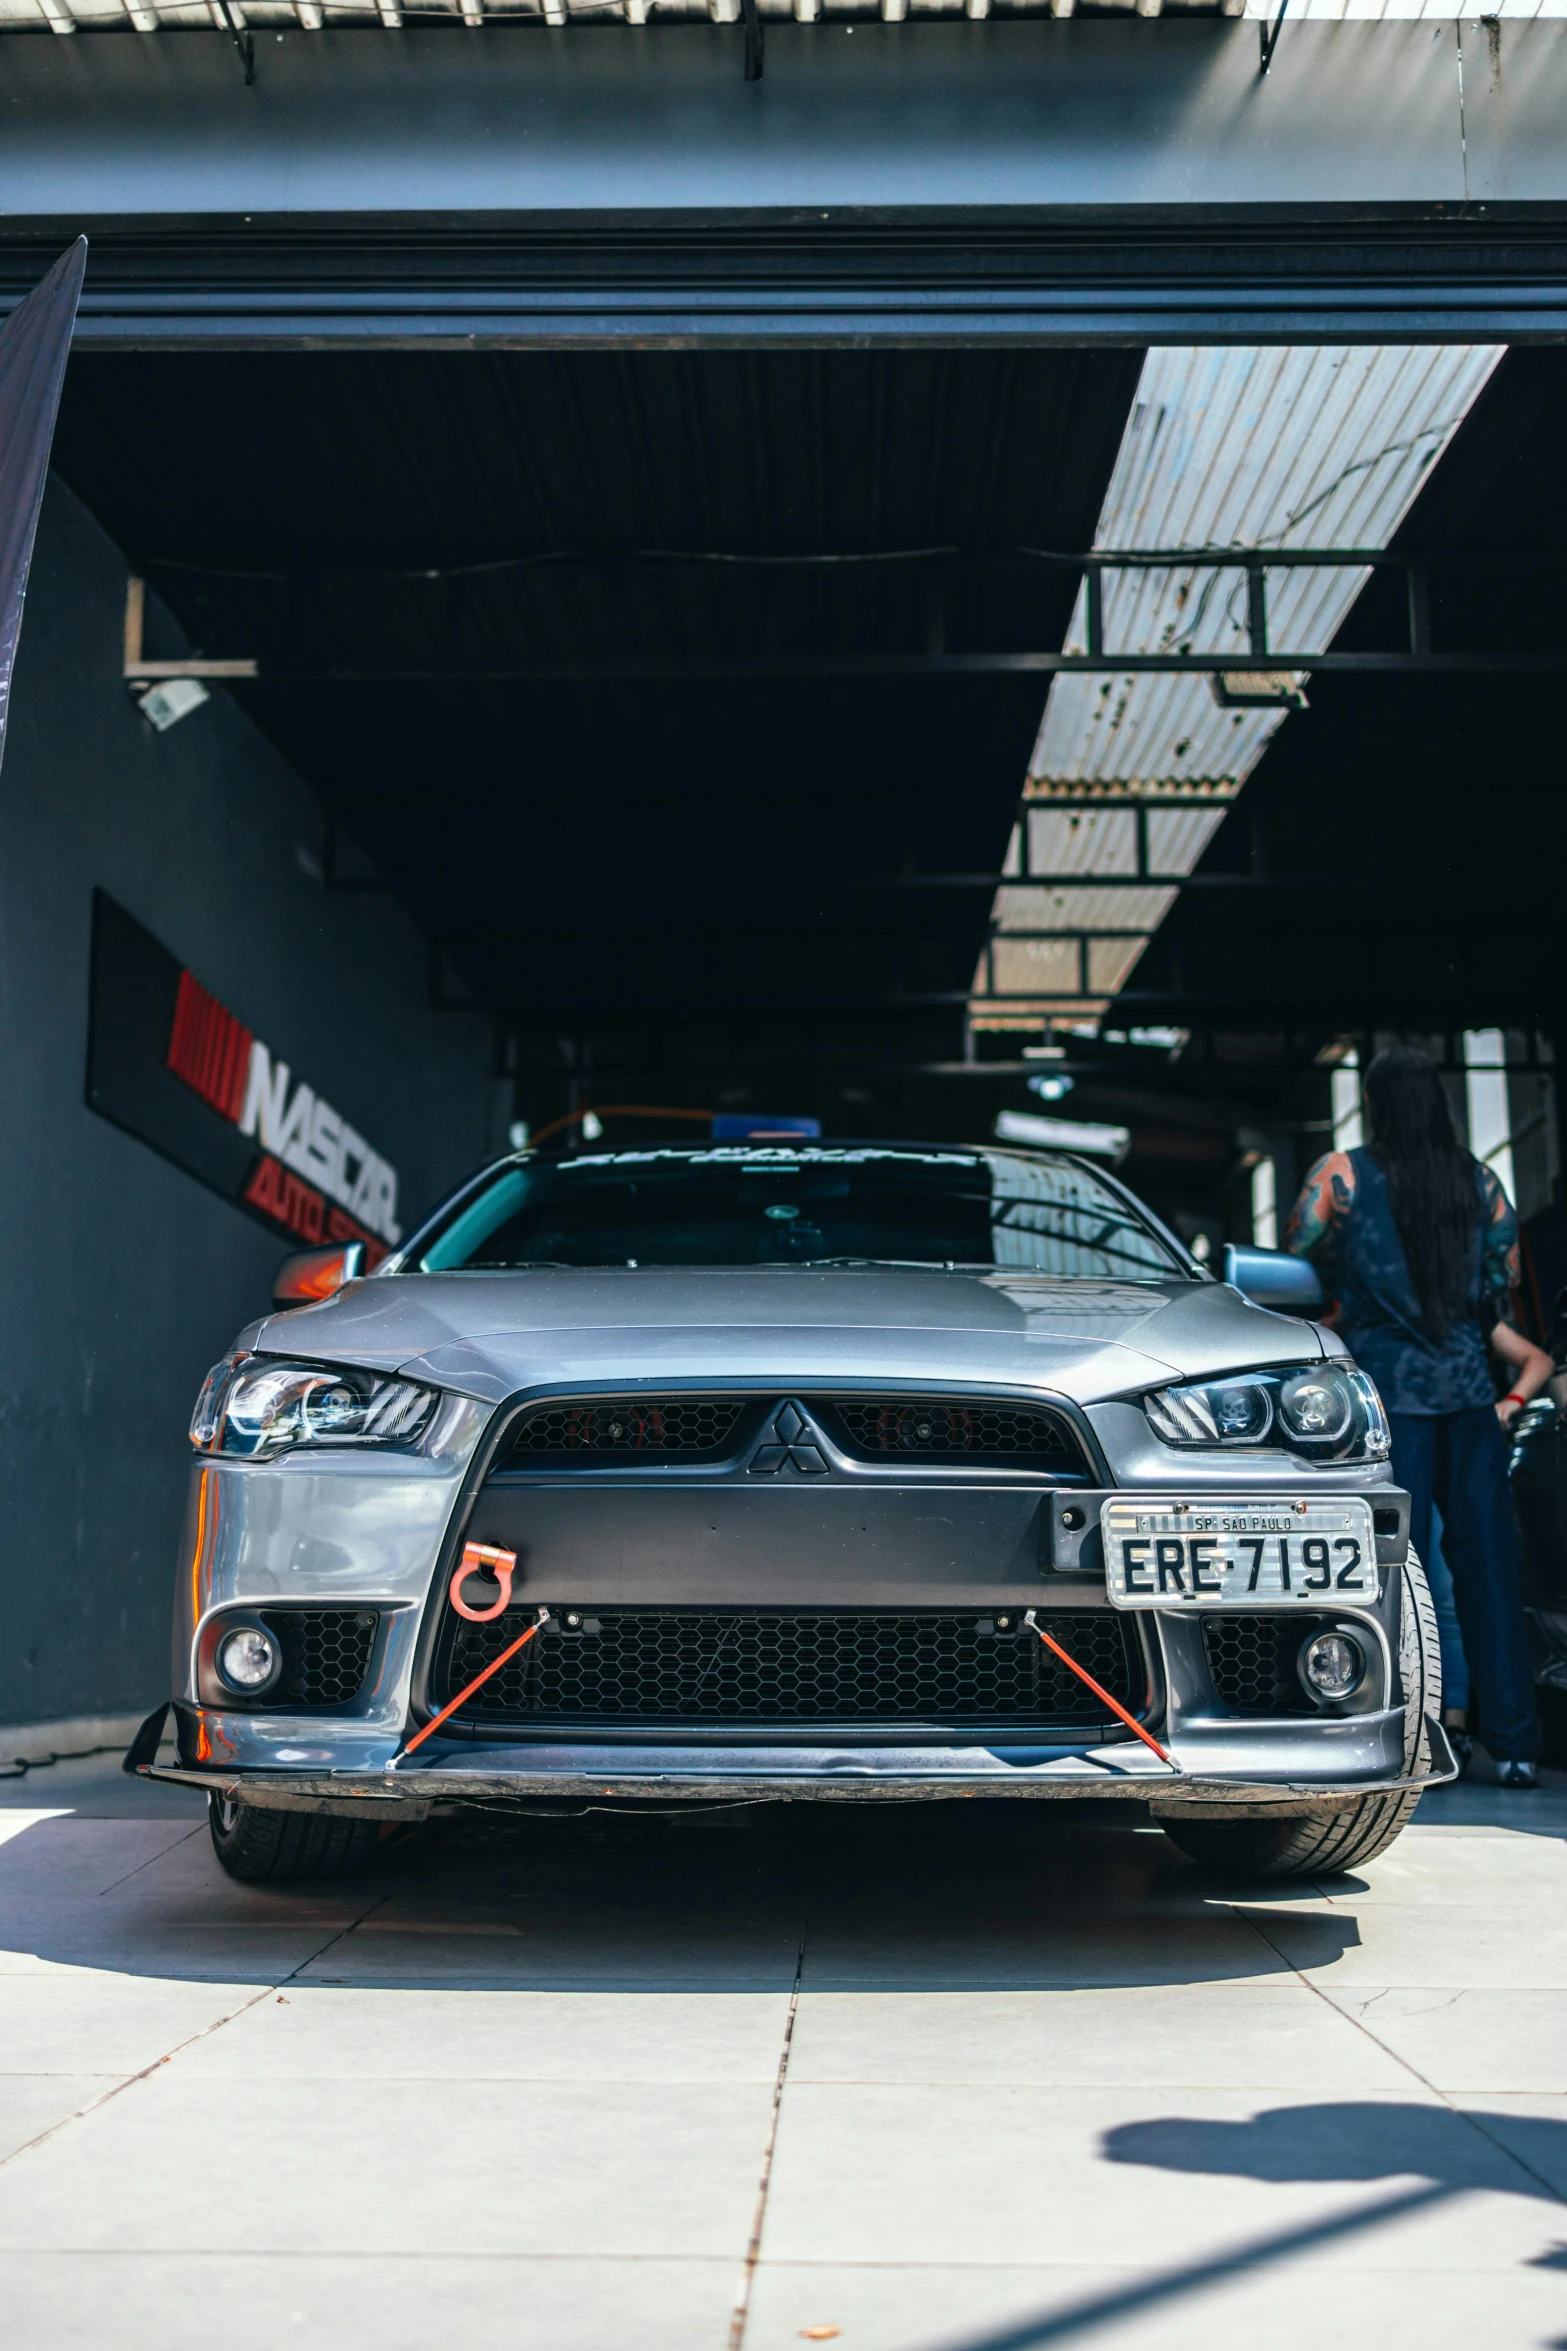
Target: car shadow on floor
x=963, y=1897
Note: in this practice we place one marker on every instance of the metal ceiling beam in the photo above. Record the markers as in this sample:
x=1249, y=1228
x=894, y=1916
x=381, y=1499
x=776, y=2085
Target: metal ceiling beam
x=945, y=562
x=1251, y=666
x=1249, y=1008
x=1412, y=924
x=928, y=664
x=366, y=799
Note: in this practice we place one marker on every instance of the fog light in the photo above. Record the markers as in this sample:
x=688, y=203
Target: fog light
x=248, y=1659
x=1332, y=1665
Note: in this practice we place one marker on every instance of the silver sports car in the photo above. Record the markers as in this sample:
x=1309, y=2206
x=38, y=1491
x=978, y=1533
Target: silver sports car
x=781, y=1471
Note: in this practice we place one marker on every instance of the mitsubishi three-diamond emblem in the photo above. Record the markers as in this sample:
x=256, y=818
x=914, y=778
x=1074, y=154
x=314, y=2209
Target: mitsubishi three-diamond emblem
x=791, y=1439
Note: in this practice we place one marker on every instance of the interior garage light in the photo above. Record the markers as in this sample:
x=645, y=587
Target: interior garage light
x=1258, y=689
x=171, y=700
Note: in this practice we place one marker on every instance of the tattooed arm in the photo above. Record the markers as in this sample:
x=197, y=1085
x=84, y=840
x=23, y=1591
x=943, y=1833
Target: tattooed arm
x=1325, y=1200
x=1500, y=1269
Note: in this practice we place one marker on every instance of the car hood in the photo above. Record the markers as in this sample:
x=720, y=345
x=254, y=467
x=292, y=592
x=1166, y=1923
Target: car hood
x=492, y=1335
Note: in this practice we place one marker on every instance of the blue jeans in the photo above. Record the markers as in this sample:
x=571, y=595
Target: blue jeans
x=1459, y=1461
x=1455, y=1665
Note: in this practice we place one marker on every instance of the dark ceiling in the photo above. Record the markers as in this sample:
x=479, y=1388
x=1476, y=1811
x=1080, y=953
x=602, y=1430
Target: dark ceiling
x=683, y=888
x=614, y=858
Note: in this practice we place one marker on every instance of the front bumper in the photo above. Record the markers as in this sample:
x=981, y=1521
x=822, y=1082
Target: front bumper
x=1233, y=1765
x=298, y=1535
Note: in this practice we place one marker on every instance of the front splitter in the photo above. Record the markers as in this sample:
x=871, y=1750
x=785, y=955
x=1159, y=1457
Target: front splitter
x=464, y=1772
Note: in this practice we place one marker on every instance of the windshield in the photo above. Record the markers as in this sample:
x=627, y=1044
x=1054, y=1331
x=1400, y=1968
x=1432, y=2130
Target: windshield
x=762, y=1205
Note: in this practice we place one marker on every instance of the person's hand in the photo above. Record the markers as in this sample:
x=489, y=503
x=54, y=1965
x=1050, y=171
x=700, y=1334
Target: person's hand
x=1508, y=1409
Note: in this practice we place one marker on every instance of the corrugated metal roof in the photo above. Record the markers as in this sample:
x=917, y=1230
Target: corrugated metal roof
x=151, y=16
x=1250, y=448
x=1028, y=907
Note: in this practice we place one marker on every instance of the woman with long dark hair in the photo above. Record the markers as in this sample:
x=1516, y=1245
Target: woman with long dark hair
x=1414, y=1239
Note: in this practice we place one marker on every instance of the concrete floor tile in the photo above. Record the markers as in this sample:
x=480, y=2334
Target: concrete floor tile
x=103, y=2023
x=321, y=2033
x=188, y=2302
x=616, y=2169
x=1413, y=1946
x=999, y=2307
x=1477, y=1802
x=34, y=2102
x=1048, y=2176
x=1475, y=2040
x=186, y=1882
x=977, y=1952
x=1277, y=2036
x=1531, y=2126
x=93, y=1787
x=57, y=1856
x=561, y=1955
x=90, y=1939
x=1469, y=1868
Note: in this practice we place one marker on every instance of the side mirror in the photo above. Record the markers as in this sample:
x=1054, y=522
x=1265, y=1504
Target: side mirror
x=1272, y=1277
x=312, y=1274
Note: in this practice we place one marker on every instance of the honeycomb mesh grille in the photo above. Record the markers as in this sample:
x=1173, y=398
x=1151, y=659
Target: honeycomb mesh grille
x=1252, y=1662
x=946, y=1428
x=326, y=1654
x=712, y=1665
x=629, y=1427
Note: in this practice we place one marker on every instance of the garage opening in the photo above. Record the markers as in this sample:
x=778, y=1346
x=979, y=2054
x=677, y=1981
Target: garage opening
x=684, y=699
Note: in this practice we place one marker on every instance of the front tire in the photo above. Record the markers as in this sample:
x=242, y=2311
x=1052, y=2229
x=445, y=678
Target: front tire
x=1337, y=1837
x=257, y=1843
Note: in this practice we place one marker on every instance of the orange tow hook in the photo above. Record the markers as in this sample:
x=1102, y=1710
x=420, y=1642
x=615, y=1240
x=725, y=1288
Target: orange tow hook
x=475, y=1558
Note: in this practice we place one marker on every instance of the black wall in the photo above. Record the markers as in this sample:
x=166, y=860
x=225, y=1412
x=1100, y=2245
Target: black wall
x=121, y=1277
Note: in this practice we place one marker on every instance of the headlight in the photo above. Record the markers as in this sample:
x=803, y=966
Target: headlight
x=258, y=1406
x=1325, y=1411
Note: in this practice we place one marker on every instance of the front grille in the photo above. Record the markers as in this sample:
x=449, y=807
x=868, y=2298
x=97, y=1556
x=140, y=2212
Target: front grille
x=774, y=1666
x=326, y=1654
x=950, y=1428
x=1252, y=1662
x=626, y=1427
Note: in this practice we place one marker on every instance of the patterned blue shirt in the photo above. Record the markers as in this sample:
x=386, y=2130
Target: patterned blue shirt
x=1344, y=1221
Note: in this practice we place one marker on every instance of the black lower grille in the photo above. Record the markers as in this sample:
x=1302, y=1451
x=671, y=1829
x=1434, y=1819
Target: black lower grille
x=776, y=1666
x=1252, y=1662
x=326, y=1653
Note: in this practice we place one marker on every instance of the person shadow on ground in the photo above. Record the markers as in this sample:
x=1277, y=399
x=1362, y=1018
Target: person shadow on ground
x=1433, y=2155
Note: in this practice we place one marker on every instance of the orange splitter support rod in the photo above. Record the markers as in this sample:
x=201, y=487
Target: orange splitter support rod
x=1114, y=1704
x=502, y=1565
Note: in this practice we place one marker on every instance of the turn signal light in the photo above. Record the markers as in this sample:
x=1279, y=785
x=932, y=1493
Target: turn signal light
x=313, y=1274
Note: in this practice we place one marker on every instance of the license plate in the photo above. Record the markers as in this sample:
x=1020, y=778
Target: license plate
x=1252, y=1555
